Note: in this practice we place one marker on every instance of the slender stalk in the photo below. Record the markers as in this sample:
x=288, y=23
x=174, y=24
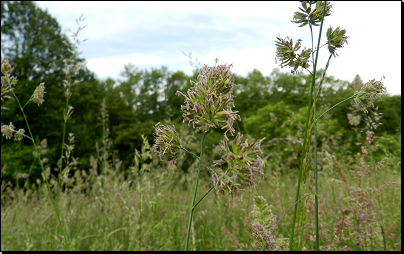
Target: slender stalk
x=25, y=136
x=302, y=223
x=315, y=133
x=43, y=171
x=336, y=105
x=196, y=156
x=289, y=210
x=303, y=220
x=61, y=154
x=196, y=188
x=301, y=166
x=304, y=140
x=211, y=188
x=315, y=179
x=303, y=207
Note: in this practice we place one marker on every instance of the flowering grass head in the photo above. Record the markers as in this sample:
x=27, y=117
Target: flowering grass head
x=368, y=93
x=167, y=143
x=6, y=70
x=243, y=164
x=39, y=92
x=311, y=15
x=263, y=226
x=7, y=130
x=7, y=81
x=336, y=39
x=208, y=103
x=287, y=54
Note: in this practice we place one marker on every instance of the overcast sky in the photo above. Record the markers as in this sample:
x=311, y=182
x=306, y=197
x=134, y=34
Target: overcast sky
x=152, y=34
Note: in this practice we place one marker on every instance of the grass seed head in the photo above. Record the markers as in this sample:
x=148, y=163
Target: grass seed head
x=167, y=144
x=39, y=92
x=287, y=54
x=243, y=165
x=368, y=93
x=19, y=135
x=208, y=103
x=336, y=39
x=263, y=226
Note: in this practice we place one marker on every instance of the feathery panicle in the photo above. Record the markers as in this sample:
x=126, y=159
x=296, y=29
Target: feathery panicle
x=287, y=54
x=263, y=225
x=307, y=15
x=243, y=164
x=19, y=135
x=336, y=39
x=7, y=81
x=368, y=93
x=208, y=103
x=167, y=144
x=39, y=92
x=7, y=130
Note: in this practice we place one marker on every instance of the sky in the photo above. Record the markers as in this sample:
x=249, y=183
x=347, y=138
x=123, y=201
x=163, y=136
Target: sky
x=151, y=34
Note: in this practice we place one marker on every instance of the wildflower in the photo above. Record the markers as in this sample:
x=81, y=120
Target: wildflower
x=263, y=226
x=336, y=39
x=39, y=92
x=208, y=103
x=167, y=143
x=368, y=93
x=7, y=130
x=286, y=52
x=243, y=163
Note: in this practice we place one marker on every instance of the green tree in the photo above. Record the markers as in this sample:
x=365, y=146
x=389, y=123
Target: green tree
x=31, y=40
x=251, y=92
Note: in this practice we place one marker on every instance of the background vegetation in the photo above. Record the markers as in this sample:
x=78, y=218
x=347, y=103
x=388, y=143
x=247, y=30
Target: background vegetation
x=117, y=206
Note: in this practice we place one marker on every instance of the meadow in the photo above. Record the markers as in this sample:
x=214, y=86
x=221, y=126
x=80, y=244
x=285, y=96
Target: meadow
x=147, y=212
x=298, y=166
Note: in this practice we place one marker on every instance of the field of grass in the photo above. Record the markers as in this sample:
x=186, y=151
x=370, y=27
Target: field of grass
x=308, y=198
x=149, y=212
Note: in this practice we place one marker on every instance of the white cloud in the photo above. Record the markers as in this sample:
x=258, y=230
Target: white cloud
x=151, y=34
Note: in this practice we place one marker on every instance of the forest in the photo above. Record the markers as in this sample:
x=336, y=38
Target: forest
x=113, y=191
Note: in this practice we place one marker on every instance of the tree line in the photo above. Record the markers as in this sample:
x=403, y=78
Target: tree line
x=32, y=41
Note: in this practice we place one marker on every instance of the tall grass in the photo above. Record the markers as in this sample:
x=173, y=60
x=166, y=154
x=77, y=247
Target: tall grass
x=313, y=13
x=147, y=213
x=147, y=209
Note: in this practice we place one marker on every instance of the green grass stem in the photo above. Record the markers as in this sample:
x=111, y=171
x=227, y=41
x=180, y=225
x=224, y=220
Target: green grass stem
x=196, y=188
x=43, y=171
x=315, y=132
